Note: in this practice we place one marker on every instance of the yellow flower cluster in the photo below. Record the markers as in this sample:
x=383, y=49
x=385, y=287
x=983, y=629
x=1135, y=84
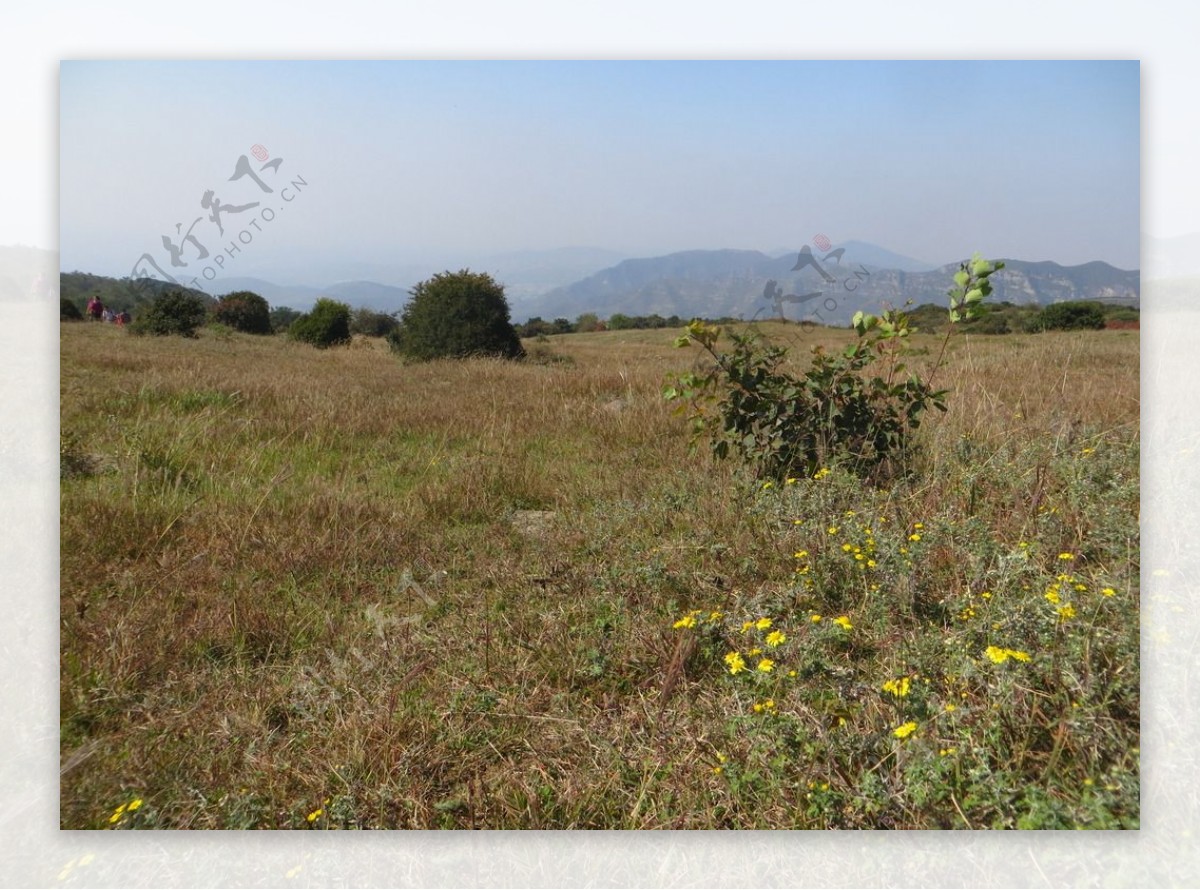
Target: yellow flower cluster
x=124, y=808
x=898, y=688
x=999, y=656
x=692, y=618
x=905, y=730
x=736, y=663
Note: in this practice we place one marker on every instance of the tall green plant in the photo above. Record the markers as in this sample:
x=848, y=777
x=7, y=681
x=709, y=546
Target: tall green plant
x=836, y=411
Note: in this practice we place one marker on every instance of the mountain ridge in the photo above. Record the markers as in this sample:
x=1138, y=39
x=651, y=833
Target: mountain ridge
x=824, y=286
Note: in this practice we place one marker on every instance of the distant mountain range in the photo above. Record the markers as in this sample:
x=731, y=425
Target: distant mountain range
x=824, y=285
x=828, y=287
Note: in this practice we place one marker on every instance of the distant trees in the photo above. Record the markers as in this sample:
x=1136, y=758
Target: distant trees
x=588, y=322
x=370, y=323
x=173, y=312
x=456, y=314
x=282, y=318
x=326, y=325
x=244, y=311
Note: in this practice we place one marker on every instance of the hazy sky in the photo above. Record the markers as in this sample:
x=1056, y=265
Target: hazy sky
x=403, y=160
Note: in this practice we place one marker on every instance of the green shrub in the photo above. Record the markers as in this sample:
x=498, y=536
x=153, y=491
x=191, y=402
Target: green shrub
x=173, y=312
x=244, y=311
x=454, y=315
x=327, y=325
x=68, y=311
x=1072, y=315
x=784, y=425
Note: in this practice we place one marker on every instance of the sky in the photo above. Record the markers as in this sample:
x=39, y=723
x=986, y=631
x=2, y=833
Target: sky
x=397, y=162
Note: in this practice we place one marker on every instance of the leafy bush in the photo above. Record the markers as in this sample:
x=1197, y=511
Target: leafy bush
x=327, y=325
x=173, y=312
x=244, y=311
x=1072, y=315
x=68, y=311
x=370, y=323
x=456, y=314
x=784, y=425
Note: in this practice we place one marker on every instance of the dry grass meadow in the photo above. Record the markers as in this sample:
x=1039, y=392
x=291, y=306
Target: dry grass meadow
x=324, y=589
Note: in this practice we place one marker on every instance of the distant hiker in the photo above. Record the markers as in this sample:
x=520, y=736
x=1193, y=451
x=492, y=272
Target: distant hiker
x=107, y=314
x=95, y=309
x=122, y=318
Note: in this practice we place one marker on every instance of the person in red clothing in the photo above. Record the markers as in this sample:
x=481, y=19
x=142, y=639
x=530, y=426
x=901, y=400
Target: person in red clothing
x=95, y=309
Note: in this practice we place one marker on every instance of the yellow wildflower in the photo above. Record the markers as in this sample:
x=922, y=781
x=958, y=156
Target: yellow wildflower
x=766, y=665
x=1066, y=611
x=762, y=623
x=314, y=815
x=736, y=663
x=685, y=621
x=898, y=688
x=843, y=622
x=905, y=730
x=996, y=654
x=1065, y=555
x=814, y=618
x=775, y=637
x=914, y=537
x=1108, y=591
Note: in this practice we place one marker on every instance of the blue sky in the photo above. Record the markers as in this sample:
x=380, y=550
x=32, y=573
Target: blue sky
x=406, y=160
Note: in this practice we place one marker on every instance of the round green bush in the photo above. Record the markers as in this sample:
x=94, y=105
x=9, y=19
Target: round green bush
x=172, y=312
x=244, y=311
x=455, y=315
x=326, y=325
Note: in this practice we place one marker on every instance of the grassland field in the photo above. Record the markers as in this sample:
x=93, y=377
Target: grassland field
x=325, y=589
